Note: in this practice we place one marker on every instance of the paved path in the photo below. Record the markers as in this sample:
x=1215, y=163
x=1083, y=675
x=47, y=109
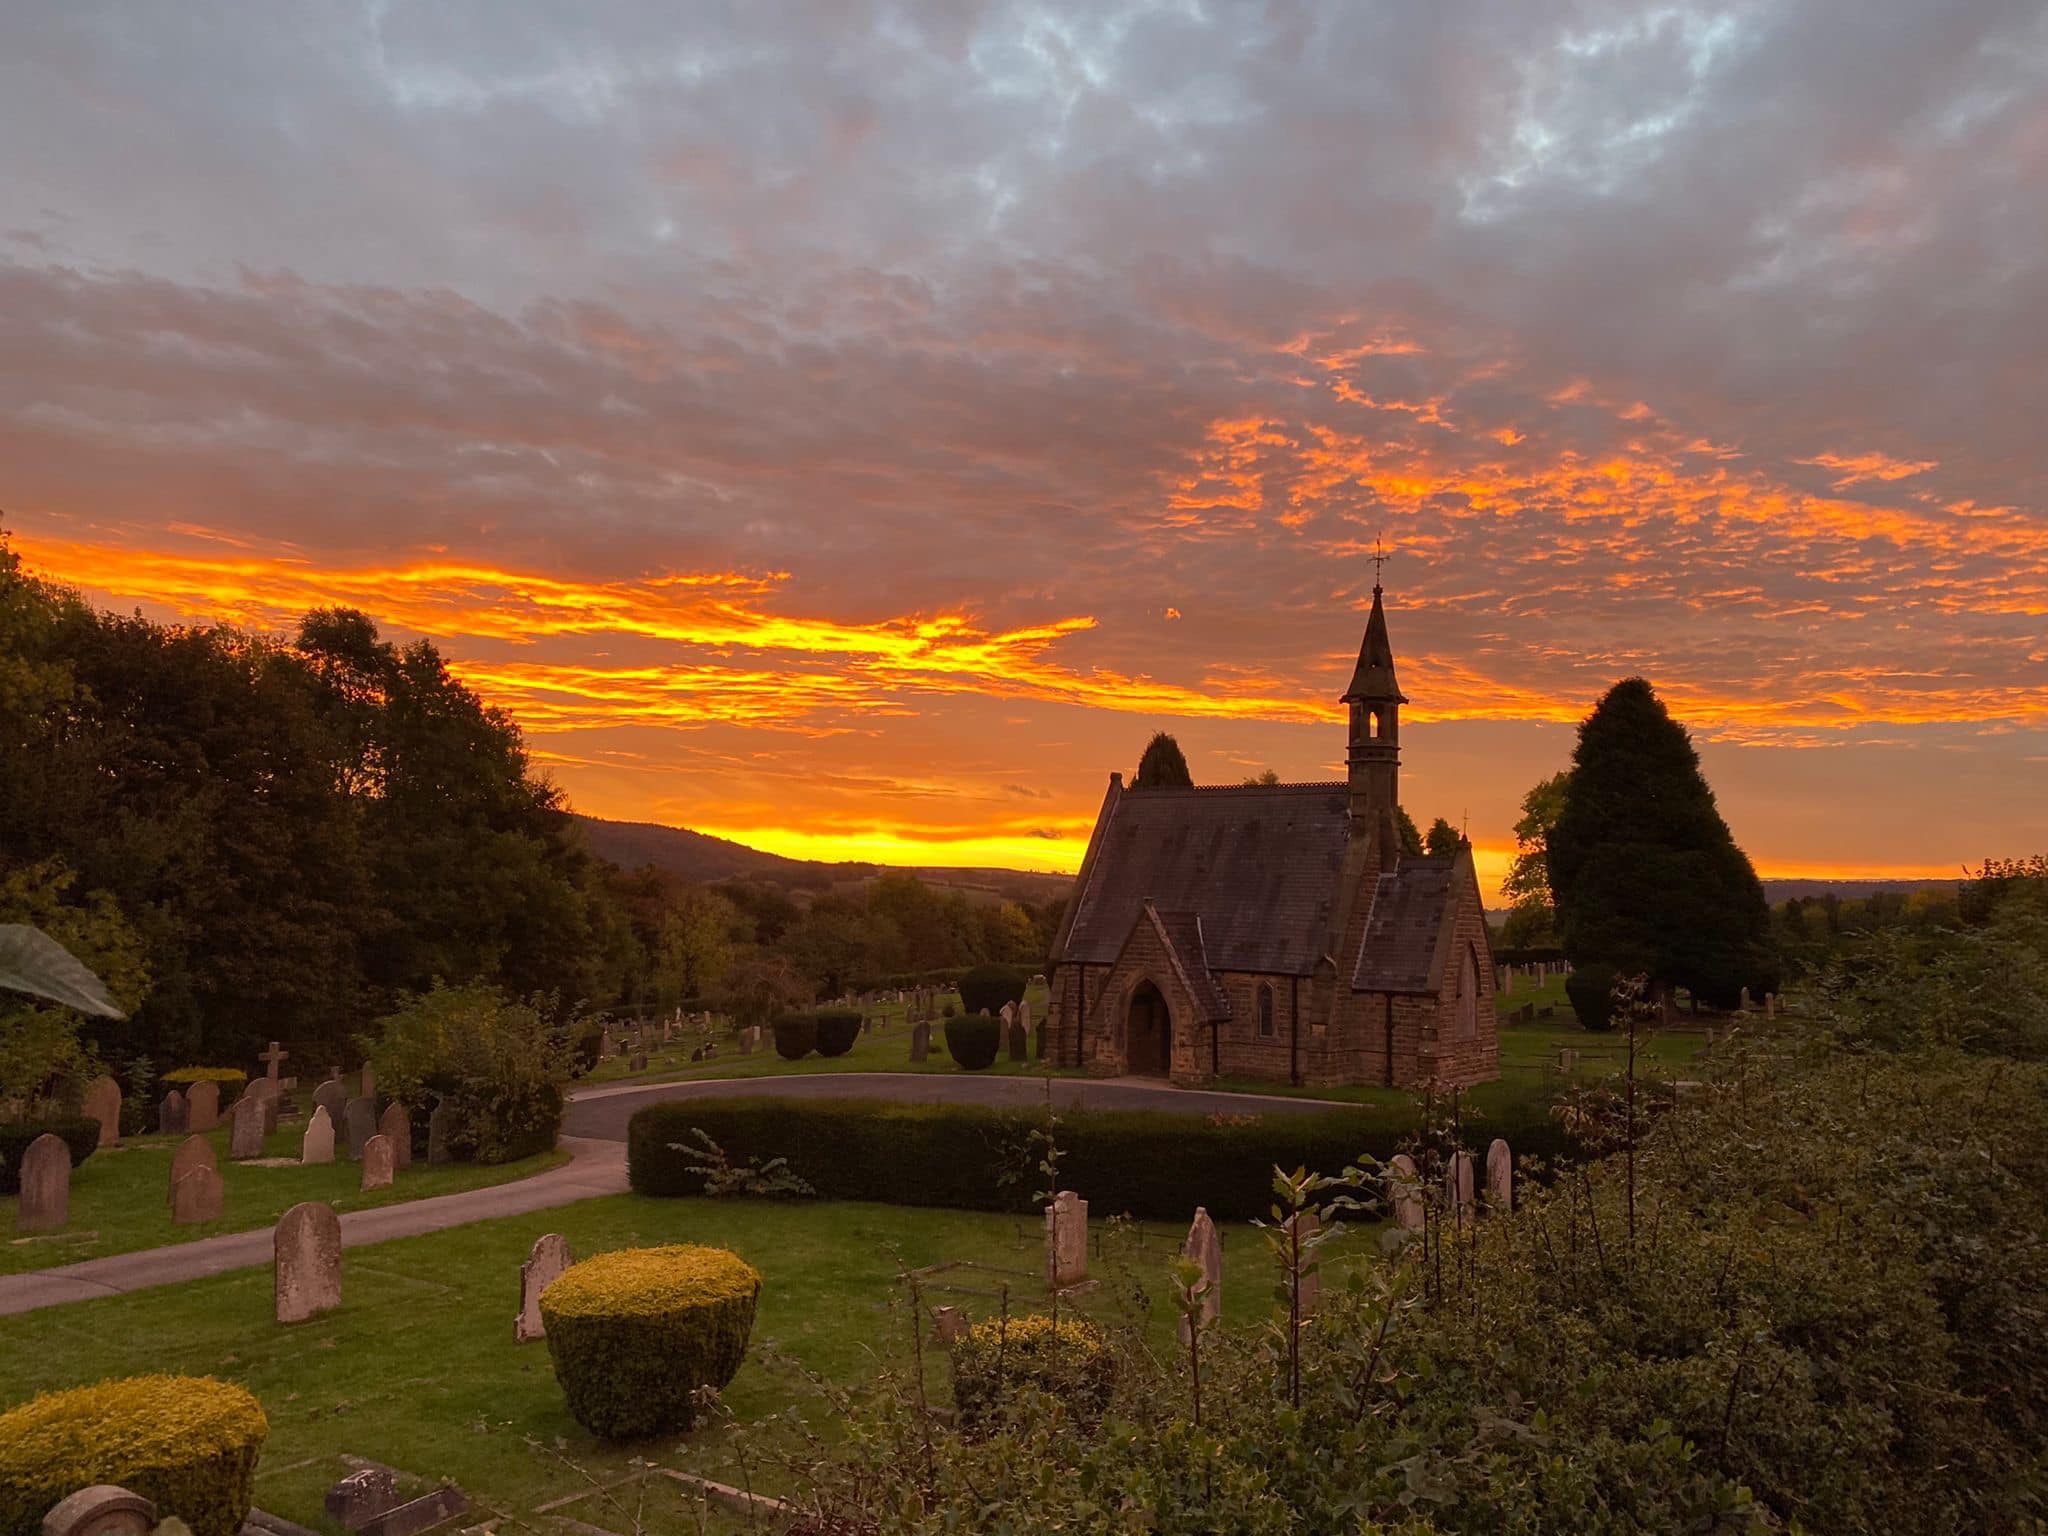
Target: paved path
x=602, y=1113
x=595, y=1168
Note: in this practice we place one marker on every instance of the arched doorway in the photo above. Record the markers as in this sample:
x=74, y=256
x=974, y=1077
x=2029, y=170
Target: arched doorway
x=1148, y=1033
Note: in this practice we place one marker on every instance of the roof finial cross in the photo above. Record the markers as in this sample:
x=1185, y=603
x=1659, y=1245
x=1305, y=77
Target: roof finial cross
x=1379, y=558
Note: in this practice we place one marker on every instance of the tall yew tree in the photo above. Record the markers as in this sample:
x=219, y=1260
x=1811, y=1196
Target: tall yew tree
x=1646, y=875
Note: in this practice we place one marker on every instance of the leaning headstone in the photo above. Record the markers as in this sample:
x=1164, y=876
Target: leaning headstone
x=549, y=1258
x=395, y=1126
x=101, y=1510
x=103, y=1103
x=1066, y=1241
x=332, y=1096
x=1020, y=1043
x=317, y=1146
x=1500, y=1176
x=45, y=1185
x=193, y=1153
x=359, y=1124
x=246, y=1139
x=439, y=1124
x=1310, y=1288
x=1405, y=1191
x=377, y=1163
x=172, y=1115
x=307, y=1245
x=202, y=1107
x=1205, y=1247
x=197, y=1198
x=921, y=1040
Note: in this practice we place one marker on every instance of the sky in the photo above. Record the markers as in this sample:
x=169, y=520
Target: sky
x=853, y=428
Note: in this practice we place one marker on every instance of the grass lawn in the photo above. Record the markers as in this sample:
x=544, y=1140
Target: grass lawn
x=417, y=1368
x=120, y=1196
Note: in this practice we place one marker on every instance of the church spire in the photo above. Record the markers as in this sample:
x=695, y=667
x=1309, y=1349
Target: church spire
x=1374, y=760
x=1372, y=680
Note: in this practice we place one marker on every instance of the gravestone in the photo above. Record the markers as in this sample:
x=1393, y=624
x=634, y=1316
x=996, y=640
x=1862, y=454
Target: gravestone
x=1020, y=1043
x=1567, y=1060
x=103, y=1103
x=1507, y=981
x=1500, y=1176
x=1458, y=1182
x=921, y=1040
x=1205, y=1247
x=362, y=1496
x=1745, y=1004
x=307, y=1248
x=438, y=1127
x=746, y=1042
x=368, y=1087
x=377, y=1168
x=549, y=1258
x=1024, y=1015
x=358, y=1124
x=1066, y=1241
x=332, y=1095
x=317, y=1146
x=1404, y=1190
x=1770, y=1005
x=395, y=1126
x=101, y=1510
x=197, y=1197
x=265, y=1092
x=45, y=1185
x=202, y=1107
x=1303, y=1226
x=172, y=1115
x=272, y=1059
x=246, y=1139
x=696, y=1055
x=639, y=1060
x=1008, y=1016
x=194, y=1153
x=949, y=1325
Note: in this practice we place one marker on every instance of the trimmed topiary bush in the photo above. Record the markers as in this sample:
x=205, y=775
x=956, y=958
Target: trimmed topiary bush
x=635, y=1333
x=796, y=1035
x=227, y=1077
x=189, y=1443
x=991, y=986
x=1591, y=990
x=1069, y=1360
x=81, y=1135
x=973, y=1040
x=838, y=1028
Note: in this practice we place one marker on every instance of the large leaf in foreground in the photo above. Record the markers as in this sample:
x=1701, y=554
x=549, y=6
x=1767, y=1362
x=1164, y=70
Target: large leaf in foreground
x=31, y=961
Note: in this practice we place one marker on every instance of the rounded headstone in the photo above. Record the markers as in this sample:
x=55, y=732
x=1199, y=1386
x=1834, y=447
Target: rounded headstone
x=549, y=1258
x=202, y=1107
x=395, y=1126
x=197, y=1197
x=307, y=1244
x=377, y=1168
x=245, y=1140
x=173, y=1116
x=45, y=1186
x=103, y=1103
x=193, y=1153
x=359, y=1124
x=101, y=1510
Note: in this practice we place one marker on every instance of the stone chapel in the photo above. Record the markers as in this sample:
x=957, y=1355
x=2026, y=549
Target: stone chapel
x=1277, y=931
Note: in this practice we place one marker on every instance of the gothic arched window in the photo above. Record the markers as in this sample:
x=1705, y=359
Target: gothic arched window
x=1265, y=1011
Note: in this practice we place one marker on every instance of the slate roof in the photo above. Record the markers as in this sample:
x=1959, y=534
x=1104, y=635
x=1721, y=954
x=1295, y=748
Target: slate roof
x=1183, y=934
x=1407, y=929
x=1258, y=864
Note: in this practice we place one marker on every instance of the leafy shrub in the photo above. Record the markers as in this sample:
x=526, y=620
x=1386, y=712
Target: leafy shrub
x=973, y=1040
x=494, y=1065
x=796, y=1035
x=1069, y=1360
x=838, y=1029
x=1591, y=990
x=991, y=986
x=635, y=1334
x=586, y=1046
x=1148, y=1163
x=81, y=1135
x=185, y=1077
x=189, y=1443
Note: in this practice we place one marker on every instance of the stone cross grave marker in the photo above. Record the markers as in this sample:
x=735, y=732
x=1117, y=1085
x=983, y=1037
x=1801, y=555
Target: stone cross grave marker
x=395, y=1126
x=246, y=1139
x=307, y=1247
x=358, y=1124
x=197, y=1197
x=103, y=1103
x=438, y=1127
x=377, y=1163
x=273, y=1059
x=1405, y=1191
x=194, y=1152
x=45, y=1185
x=1500, y=1176
x=173, y=1115
x=1205, y=1247
x=549, y=1258
x=921, y=1040
x=1066, y=1241
x=202, y=1107
x=317, y=1145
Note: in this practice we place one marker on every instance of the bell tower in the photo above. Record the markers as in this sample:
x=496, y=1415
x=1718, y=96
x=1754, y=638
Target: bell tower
x=1374, y=699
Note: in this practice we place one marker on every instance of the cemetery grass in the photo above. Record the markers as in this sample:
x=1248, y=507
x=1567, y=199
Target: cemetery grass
x=417, y=1367
x=120, y=1196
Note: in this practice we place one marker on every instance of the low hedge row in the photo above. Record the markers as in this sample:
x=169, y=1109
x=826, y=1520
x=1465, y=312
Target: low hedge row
x=1146, y=1163
x=188, y=1443
x=81, y=1135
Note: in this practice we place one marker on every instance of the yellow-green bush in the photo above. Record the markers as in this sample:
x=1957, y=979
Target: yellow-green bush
x=1069, y=1360
x=634, y=1334
x=190, y=1443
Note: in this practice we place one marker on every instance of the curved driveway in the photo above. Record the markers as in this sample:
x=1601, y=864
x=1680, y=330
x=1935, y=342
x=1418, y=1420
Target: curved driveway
x=601, y=1113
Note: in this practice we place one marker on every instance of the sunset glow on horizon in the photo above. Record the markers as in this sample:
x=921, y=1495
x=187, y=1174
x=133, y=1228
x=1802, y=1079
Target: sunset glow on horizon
x=854, y=438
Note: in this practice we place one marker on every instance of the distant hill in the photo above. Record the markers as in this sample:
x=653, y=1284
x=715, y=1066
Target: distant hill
x=1776, y=891
x=699, y=857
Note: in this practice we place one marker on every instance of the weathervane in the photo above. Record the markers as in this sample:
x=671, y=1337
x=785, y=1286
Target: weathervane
x=1379, y=558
